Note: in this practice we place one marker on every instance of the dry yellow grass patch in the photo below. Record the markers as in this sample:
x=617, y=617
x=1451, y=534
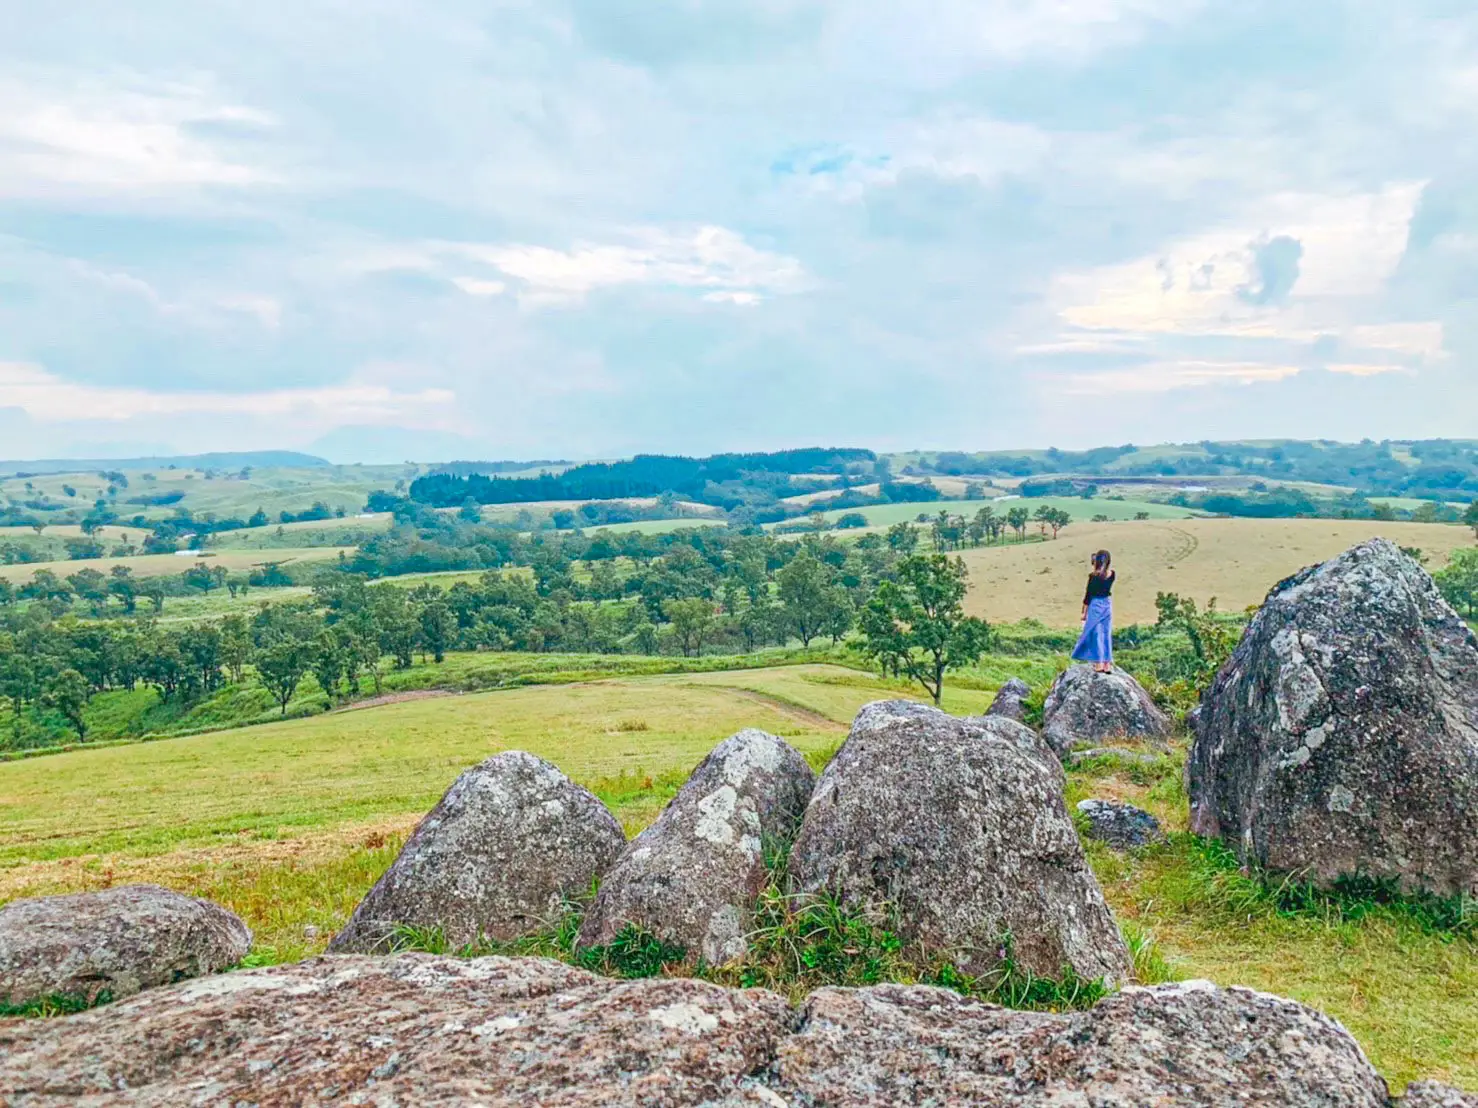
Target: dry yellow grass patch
x=1234, y=560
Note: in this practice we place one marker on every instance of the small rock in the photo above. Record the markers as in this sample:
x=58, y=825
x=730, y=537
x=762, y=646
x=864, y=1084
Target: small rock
x=958, y=830
x=1339, y=738
x=1121, y=826
x=497, y=858
x=1084, y=706
x=691, y=878
x=1008, y=703
x=117, y=941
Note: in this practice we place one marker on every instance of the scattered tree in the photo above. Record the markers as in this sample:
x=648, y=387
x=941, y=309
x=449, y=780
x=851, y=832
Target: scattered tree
x=916, y=624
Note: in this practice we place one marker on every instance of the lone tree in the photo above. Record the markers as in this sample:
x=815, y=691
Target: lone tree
x=1470, y=517
x=917, y=623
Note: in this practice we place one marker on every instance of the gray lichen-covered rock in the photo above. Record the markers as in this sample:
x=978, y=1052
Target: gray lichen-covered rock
x=1085, y=707
x=1121, y=826
x=1188, y=1044
x=692, y=878
x=955, y=832
x=1429, y=1094
x=498, y=856
x=1341, y=737
x=1008, y=703
x=409, y=1029
x=117, y=941
x=431, y=1031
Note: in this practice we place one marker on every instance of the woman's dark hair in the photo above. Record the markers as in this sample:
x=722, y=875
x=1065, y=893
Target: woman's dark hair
x=1101, y=562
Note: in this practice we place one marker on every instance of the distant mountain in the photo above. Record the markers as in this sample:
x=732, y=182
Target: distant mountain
x=257, y=459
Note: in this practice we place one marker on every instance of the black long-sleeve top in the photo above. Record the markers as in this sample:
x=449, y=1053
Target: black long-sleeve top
x=1098, y=587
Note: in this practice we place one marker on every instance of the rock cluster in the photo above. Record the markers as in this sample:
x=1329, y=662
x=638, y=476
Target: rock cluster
x=691, y=879
x=954, y=832
x=426, y=1030
x=117, y=941
x=1121, y=826
x=512, y=840
x=1085, y=707
x=1342, y=736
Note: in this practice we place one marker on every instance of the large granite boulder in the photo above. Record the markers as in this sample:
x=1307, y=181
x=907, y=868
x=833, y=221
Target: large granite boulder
x=115, y=942
x=508, y=845
x=955, y=832
x=431, y=1031
x=1341, y=738
x=1088, y=708
x=1010, y=700
x=692, y=878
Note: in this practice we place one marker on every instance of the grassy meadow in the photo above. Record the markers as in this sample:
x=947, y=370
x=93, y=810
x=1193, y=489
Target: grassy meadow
x=290, y=823
x=165, y=565
x=1234, y=560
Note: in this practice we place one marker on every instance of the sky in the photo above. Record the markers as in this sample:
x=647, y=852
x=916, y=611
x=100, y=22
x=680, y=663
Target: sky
x=429, y=229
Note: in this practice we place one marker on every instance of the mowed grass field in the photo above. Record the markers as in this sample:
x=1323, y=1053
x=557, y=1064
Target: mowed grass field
x=290, y=824
x=1234, y=560
x=164, y=565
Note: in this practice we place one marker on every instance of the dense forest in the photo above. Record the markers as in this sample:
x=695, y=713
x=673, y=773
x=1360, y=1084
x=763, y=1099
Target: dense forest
x=724, y=480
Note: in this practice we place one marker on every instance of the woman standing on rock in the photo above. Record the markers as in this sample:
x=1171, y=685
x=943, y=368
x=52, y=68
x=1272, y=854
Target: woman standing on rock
x=1096, y=644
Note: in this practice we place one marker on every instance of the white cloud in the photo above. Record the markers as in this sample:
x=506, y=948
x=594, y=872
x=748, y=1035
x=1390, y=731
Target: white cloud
x=47, y=398
x=1350, y=246
x=126, y=136
x=711, y=258
x=1168, y=376
x=474, y=286
x=1360, y=370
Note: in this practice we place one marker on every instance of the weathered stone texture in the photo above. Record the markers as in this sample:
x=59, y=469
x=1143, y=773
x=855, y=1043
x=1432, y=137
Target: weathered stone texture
x=692, y=878
x=955, y=832
x=498, y=856
x=1342, y=736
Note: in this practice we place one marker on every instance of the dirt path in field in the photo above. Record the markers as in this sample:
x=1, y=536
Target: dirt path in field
x=790, y=711
x=395, y=698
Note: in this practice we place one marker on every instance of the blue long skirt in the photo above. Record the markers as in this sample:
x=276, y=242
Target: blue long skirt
x=1097, y=641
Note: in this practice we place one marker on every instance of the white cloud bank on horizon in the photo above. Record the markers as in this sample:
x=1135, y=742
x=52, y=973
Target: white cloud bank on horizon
x=575, y=229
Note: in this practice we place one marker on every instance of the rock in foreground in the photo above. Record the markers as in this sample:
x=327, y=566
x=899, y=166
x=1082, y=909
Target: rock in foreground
x=1428, y=1094
x=498, y=856
x=418, y=1029
x=1341, y=737
x=1010, y=700
x=692, y=878
x=959, y=830
x=1121, y=826
x=1085, y=707
x=117, y=941
x=1188, y=1044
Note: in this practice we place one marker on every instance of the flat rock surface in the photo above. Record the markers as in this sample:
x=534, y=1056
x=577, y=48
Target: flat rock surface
x=116, y=941
x=498, y=856
x=426, y=1030
x=692, y=877
x=1088, y=708
x=1342, y=736
x=1189, y=1044
x=955, y=833
x=1429, y=1094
